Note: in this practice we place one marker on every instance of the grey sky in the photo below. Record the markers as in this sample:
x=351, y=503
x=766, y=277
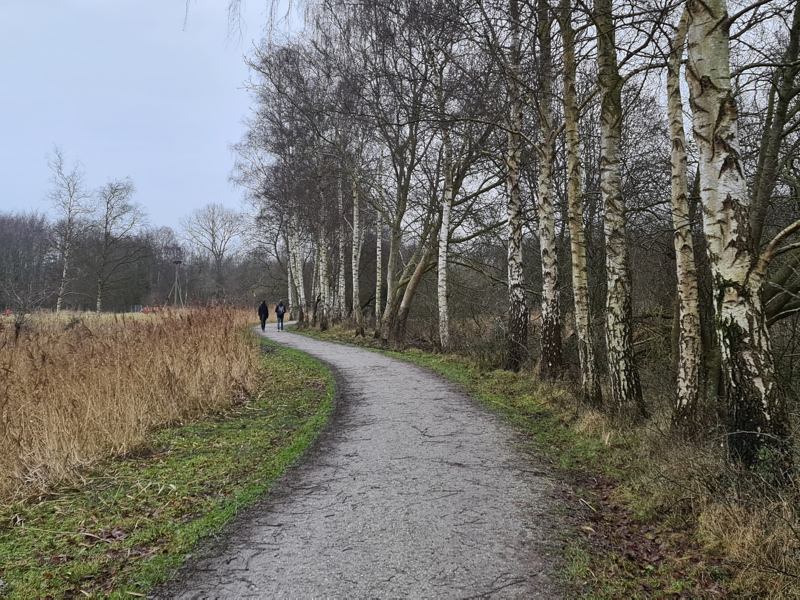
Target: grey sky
x=122, y=86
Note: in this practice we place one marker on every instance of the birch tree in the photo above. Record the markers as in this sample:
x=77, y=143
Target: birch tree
x=340, y=310
x=444, y=242
x=517, y=334
x=755, y=402
x=590, y=382
x=355, y=258
x=550, y=366
x=296, y=263
x=689, y=350
x=378, y=271
x=71, y=200
x=626, y=391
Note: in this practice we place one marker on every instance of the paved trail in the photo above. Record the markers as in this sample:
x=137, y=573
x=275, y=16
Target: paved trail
x=415, y=491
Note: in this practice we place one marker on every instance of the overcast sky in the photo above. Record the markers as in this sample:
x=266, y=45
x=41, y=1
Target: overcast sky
x=125, y=88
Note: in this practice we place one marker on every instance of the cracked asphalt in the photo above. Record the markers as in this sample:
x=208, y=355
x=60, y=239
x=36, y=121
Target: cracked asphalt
x=413, y=491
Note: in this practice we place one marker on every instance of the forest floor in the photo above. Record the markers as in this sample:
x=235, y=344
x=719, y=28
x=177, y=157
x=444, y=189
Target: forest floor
x=614, y=545
x=414, y=490
x=133, y=519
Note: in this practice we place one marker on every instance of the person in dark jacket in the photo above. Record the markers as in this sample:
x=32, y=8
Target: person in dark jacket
x=263, y=313
x=280, y=310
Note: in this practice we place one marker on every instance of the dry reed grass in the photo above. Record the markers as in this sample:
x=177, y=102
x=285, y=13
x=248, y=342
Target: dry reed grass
x=76, y=389
x=761, y=540
x=740, y=517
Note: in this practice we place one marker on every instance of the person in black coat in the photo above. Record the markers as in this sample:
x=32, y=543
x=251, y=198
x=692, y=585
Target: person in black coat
x=280, y=310
x=263, y=313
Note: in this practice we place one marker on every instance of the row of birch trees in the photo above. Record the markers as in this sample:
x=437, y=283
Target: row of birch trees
x=564, y=131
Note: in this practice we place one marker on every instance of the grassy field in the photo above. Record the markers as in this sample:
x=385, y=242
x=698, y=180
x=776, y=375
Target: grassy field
x=127, y=522
x=624, y=543
x=78, y=388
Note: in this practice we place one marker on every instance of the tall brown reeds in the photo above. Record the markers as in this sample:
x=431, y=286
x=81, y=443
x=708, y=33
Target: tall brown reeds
x=76, y=390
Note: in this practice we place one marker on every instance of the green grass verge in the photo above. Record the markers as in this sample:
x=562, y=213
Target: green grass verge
x=550, y=417
x=132, y=521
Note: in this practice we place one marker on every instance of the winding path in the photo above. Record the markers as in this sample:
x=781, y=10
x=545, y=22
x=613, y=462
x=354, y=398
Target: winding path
x=414, y=491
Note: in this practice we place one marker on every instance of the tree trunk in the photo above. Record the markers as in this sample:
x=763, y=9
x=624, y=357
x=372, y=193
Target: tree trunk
x=393, y=294
x=590, y=382
x=355, y=262
x=219, y=277
x=757, y=420
x=688, y=324
x=340, y=311
x=444, y=239
x=315, y=291
x=378, y=272
x=296, y=264
x=99, y=297
x=324, y=283
x=517, y=334
x=62, y=285
x=395, y=242
x=291, y=291
x=399, y=330
x=550, y=365
x=626, y=391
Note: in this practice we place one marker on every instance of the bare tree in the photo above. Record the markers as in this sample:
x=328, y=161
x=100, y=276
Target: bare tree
x=71, y=201
x=214, y=230
x=117, y=220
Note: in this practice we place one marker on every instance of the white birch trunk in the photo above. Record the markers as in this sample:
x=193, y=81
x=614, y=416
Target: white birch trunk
x=315, y=291
x=340, y=310
x=626, y=391
x=517, y=335
x=355, y=260
x=296, y=265
x=99, y=299
x=326, y=294
x=444, y=241
x=378, y=271
x=62, y=285
x=689, y=352
x=756, y=409
x=590, y=382
x=550, y=366
x=291, y=294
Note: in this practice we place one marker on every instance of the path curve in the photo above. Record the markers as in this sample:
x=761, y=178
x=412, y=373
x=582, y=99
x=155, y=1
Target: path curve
x=413, y=491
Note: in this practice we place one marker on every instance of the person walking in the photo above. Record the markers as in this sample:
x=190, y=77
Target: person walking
x=263, y=313
x=280, y=310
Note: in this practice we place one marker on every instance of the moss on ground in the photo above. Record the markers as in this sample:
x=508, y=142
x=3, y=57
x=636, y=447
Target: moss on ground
x=134, y=519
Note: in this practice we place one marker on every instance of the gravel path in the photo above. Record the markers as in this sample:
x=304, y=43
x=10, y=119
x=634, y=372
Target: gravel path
x=414, y=491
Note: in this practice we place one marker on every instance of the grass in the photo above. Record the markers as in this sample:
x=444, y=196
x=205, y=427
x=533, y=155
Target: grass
x=131, y=520
x=623, y=543
x=75, y=389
